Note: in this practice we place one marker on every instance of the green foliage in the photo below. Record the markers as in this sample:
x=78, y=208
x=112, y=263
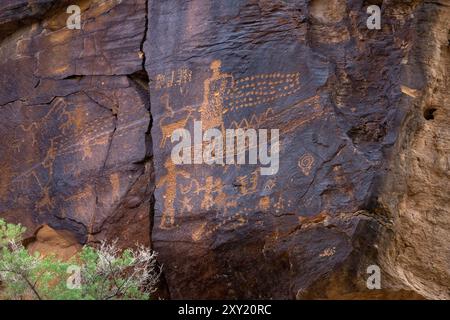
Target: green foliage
x=10, y=232
x=98, y=273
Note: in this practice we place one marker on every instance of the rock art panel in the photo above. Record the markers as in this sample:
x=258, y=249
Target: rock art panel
x=87, y=118
x=251, y=66
x=75, y=148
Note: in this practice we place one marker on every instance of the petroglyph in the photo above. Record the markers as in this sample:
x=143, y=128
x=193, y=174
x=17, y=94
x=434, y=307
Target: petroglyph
x=67, y=130
x=169, y=181
x=260, y=89
x=264, y=203
x=254, y=122
x=269, y=185
x=214, y=88
x=186, y=205
x=213, y=195
x=223, y=93
x=167, y=129
x=328, y=252
x=94, y=133
x=305, y=163
x=226, y=102
x=247, y=184
x=173, y=78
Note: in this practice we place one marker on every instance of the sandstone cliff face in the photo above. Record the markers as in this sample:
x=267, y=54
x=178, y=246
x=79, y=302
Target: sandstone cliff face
x=75, y=124
x=363, y=119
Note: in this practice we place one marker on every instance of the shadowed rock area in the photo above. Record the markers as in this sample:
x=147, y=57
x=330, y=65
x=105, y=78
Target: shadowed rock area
x=363, y=140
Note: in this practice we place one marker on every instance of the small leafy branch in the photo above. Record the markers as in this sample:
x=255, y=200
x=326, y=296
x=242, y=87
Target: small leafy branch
x=102, y=273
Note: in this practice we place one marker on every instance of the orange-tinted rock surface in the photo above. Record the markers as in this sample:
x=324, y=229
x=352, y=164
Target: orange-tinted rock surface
x=75, y=148
x=363, y=130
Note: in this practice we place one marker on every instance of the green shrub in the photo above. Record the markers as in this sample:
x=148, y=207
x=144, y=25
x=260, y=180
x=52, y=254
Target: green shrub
x=101, y=273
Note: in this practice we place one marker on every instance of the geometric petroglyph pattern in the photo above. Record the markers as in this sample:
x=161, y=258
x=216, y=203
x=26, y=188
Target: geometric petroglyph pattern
x=260, y=89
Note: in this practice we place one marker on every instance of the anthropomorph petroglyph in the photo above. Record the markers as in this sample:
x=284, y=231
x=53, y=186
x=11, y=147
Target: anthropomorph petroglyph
x=223, y=93
x=213, y=94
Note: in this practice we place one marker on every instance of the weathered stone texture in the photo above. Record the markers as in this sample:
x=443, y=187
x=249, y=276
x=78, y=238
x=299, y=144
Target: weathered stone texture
x=75, y=148
x=337, y=91
x=364, y=140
